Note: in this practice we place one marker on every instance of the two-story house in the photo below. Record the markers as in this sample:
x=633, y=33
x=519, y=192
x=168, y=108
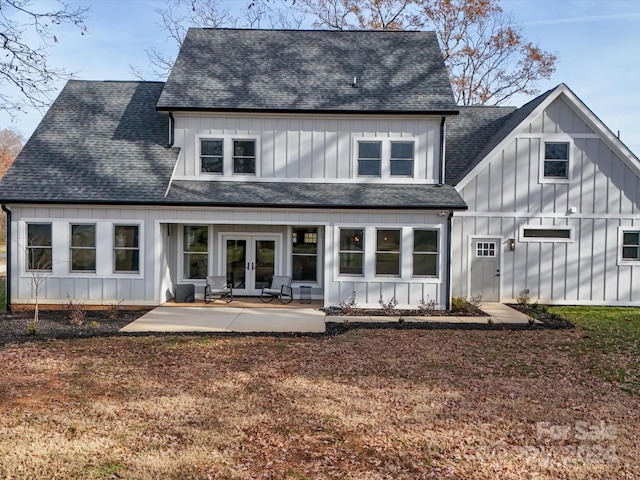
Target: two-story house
x=339, y=159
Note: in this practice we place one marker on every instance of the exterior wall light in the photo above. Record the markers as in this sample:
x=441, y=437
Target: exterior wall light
x=512, y=244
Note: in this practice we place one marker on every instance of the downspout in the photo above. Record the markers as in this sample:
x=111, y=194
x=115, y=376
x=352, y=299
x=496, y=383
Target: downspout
x=172, y=124
x=8, y=259
x=442, y=137
x=448, y=280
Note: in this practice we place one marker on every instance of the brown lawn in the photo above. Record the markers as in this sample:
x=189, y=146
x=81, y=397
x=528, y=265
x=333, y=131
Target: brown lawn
x=368, y=404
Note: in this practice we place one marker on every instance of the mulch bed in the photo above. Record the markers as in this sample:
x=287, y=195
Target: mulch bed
x=542, y=314
x=55, y=324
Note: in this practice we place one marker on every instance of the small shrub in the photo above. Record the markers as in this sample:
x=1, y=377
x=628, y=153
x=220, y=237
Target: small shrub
x=532, y=321
x=523, y=299
x=428, y=307
x=95, y=324
x=490, y=321
x=113, y=309
x=389, y=308
x=400, y=321
x=475, y=301
x=31, y=328
x=77, y=312
x=348, y=305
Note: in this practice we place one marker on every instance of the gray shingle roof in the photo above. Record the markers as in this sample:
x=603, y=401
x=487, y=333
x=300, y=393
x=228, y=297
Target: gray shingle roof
x=314, y=195
x=99, y=142
x=477, y=130
x=281, y=70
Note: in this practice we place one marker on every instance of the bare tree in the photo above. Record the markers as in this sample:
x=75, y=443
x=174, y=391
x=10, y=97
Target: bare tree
x=26, y=78
x=488, y=58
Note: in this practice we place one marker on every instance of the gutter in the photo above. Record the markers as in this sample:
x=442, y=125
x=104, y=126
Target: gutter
x=442, y=146
x=8, y=259
x=172, y=124
x=448, y=279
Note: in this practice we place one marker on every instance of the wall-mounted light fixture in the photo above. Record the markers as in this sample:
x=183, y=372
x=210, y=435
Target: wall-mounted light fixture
x=512, y=244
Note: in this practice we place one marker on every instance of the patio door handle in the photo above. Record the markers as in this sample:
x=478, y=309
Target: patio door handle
x=252, y=266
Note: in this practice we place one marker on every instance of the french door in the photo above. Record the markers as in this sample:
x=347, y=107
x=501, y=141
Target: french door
x=249, y=262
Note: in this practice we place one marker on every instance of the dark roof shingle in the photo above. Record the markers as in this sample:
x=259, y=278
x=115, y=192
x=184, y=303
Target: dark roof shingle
x=283, y=70
x=99, y=142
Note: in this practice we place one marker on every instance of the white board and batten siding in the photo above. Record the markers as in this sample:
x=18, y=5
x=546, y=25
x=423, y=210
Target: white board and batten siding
x=310, y=148
x=602, y=194
x=161, y=256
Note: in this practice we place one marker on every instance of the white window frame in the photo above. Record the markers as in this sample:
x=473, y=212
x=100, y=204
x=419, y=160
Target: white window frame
x=571, y=150
x=436, y=253
x=127, y=273
x=385, y=160
x=621, y=232
x=29, y=247
x=227, y=155
x=339, y=251
x=317, y=254
x=184, y=252
x=399, y=253
x=94, y=248
x=571, y=238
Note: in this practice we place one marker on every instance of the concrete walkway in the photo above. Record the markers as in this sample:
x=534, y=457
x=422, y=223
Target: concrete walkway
x=301, y=320
x=229, y=319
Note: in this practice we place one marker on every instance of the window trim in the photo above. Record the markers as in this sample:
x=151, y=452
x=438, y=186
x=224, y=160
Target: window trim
x=388, y=252
x=436, y=253
x=621, y=232
x=227, y=156
x=234, y=156
x=362, y=252
x=290, y=232
x=570, y=228
x=28, y=247
x=385, y=160
x=358, y=158
x=94, y=248
x=138, y=248
x=555, y=139
x=184, y=252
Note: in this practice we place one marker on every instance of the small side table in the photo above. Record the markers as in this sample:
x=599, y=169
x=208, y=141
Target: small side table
x=305, y=294
x=184, y=292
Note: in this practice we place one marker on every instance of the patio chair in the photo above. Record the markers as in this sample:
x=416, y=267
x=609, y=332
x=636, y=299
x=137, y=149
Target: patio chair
x=217, y=286
x=280, y=288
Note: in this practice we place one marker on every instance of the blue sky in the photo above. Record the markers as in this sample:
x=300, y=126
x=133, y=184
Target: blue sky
x=597, y=42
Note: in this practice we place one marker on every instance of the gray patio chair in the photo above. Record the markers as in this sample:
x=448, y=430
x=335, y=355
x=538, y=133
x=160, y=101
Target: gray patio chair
x=217, y=285
x=280, y=288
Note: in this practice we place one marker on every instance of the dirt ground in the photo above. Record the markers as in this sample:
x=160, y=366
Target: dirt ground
x=364, y=404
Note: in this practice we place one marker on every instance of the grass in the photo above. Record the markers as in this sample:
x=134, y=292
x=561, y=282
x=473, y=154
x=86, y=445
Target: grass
x=611, y=342
x=368, y=404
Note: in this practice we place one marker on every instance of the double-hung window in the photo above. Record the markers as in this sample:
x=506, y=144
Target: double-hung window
x=369, y=159
x=401, y=161
x=305, y=254
x=126, y=249
x=556, y=160
x=631, y=246
x=351, y=251
x=244, y=157
x=83, y=248
x=195, y=254
x=388, y=252
x=211, y=155
x=425, y=253
x=39, y=248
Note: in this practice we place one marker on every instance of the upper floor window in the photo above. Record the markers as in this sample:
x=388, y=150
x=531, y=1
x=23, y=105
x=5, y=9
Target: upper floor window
x=369, y=158
x=546, y=234
x=211, y=156
x=386, y=158
x=388, y=252
x=305, y=254
x=83, y=248
x=351, y=251
x=556, y=160
x=244, y=156
x=401, y=159
x=126, y=249
x=39, y=248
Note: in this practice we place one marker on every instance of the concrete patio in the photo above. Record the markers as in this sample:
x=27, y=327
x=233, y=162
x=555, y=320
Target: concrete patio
x=293, y=319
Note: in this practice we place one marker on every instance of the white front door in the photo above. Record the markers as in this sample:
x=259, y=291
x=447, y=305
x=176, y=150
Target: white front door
x=485, y=269
x=249, y=262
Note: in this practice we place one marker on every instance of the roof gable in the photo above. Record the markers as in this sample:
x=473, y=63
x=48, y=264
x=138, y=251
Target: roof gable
x=282, y=70
x=520, y=118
